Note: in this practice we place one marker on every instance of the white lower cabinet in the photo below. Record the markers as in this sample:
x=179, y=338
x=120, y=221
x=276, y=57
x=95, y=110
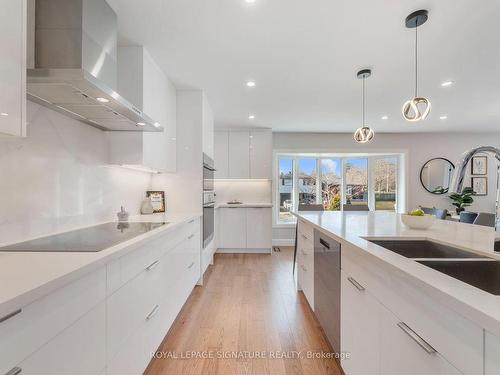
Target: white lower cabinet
x=389, y=327
x=259, y=228
x=359, y=328
x=403, y=351
x=78, y=350
x=111, y=320
x=245, y=228
x=492, y=354
x=305, y=261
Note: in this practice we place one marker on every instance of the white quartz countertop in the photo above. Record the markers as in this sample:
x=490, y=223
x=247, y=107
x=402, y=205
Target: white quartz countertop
x=356, y=227
x=243, y=205
x=26, y=276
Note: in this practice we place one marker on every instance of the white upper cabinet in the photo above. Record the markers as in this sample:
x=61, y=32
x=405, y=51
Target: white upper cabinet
x=13, y=67
x=221, y=154
x=239, y=156
x=144, y=84
x=243, y=154
x=261, y=146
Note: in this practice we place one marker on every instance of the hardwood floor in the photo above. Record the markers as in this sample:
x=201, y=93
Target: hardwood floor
x=248, y=304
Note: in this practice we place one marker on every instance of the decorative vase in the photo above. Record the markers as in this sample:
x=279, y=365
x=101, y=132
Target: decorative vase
x=147, y=207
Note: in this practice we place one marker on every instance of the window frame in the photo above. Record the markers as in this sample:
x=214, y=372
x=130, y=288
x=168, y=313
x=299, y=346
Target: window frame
x=342, y=158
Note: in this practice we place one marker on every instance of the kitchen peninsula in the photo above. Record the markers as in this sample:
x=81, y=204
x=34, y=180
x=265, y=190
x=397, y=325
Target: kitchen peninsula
x=396, y=314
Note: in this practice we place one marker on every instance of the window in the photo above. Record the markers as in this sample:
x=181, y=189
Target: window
x=285, y=189
x=356, y=176
x=384, y=179
x=307, y=181
x=331, y=184
x=334, y=181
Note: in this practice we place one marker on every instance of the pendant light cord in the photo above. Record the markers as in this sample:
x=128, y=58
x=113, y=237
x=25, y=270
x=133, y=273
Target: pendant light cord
x=363, y=100
x=416, y=59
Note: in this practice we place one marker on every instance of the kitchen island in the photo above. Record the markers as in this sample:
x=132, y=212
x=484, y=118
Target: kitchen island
x=397, y=315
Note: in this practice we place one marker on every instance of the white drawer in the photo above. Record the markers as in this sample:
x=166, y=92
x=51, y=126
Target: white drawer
x=78, y=350
x=43, y=319
x=456, y=338
x=142, y=254
x=306, y=277
x=129, y=305
x=307, y=231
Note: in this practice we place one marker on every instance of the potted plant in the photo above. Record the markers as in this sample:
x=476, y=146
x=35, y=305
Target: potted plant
x=462, y=200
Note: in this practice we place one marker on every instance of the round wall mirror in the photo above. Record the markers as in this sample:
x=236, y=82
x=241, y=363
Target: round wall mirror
x=436, y=175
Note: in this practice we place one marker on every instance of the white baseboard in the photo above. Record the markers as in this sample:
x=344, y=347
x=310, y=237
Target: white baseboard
x=244, y=251
x=283, y=242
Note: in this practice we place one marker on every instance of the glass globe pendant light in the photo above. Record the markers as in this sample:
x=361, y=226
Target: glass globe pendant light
x=418, y=108
x=364, y=134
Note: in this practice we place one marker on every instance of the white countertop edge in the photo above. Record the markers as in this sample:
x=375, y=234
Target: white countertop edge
x=472, y=303
x=83, y=263
x=244, y=205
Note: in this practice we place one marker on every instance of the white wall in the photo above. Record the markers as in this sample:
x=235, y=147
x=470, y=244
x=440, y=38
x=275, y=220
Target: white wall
x=57, y=178
x=246, y=191
x=418, y=147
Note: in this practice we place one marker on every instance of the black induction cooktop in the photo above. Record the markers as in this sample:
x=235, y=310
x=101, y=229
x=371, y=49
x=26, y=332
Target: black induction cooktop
x=90, y=239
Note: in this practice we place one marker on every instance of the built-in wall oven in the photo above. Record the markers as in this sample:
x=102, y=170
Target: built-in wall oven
x=208, y=200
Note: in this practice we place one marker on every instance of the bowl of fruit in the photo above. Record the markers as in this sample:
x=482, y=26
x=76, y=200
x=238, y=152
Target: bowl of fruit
x=417, y=219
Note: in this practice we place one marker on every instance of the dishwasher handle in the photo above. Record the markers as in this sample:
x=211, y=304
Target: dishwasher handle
x=324, y=243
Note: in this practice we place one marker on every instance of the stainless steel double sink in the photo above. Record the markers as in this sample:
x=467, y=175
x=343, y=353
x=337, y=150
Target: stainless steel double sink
x=477, y=270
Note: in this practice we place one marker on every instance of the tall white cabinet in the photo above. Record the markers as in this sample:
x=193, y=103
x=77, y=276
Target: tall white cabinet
x=143, y=83
x=243, y=154
x=13, y=18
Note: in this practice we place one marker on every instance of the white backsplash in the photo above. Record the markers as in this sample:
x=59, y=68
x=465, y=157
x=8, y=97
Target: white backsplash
x=58, y=178
x=246, y=191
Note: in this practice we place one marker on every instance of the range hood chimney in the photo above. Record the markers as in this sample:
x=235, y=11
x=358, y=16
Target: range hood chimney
x=75, y=65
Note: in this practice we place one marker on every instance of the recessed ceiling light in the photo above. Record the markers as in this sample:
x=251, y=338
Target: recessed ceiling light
x=251, y=117
x=156, y=124
x=444, y=117
x=447, y=83
x=141, y=123
x=102, y=100
x=251, y=83
x=384, y=117
x=4, y=114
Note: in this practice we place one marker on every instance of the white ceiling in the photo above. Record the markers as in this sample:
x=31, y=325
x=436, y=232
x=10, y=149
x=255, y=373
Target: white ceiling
x=304, y=55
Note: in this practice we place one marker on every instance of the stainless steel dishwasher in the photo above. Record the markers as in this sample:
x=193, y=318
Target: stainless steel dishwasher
x=327, y=286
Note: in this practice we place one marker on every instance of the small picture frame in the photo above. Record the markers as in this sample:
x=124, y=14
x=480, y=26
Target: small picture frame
x=157, y=200
x=479, y=185
x=479, y=165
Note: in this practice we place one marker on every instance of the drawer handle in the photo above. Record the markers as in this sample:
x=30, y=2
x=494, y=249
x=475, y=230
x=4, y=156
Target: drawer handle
x=153, y=312
x=304, y=237
x=10, y=315
x=191, y=236
x=358, y=286
x=419, y=340
x=191, y=222
x=152, y=265
x=191, y=265
x=303, y=252
x=303, y=268
x=15, y=371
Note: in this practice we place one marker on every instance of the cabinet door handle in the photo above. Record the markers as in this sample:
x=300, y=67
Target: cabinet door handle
x=191, y=265
x=10, y=315
x=357, y=285
x=415, y=337
x=191, y=236
x=152, y=265
x=153, y=312
x=14, y=371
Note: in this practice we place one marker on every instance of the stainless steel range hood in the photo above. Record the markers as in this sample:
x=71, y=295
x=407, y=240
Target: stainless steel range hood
x=75, y=65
